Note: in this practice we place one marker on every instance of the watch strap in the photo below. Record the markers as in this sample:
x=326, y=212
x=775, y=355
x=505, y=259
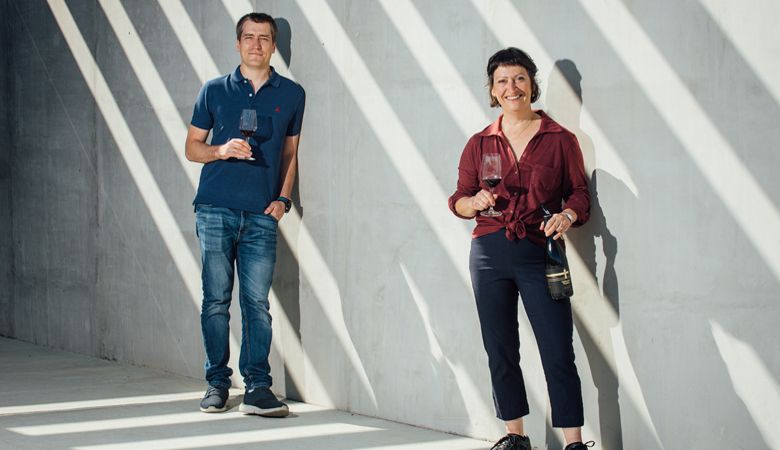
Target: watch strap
x=287, y=203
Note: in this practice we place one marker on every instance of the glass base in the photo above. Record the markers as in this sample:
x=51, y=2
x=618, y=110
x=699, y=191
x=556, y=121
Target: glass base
x=490, y=213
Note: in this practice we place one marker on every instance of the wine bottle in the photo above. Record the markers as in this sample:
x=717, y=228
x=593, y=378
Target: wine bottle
x=556, y=266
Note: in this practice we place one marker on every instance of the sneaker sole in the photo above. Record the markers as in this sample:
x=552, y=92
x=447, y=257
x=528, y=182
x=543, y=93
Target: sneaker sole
x=282, y=411
x=214, y=409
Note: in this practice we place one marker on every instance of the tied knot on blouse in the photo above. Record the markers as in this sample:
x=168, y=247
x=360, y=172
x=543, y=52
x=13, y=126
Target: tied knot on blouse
x=515, y=229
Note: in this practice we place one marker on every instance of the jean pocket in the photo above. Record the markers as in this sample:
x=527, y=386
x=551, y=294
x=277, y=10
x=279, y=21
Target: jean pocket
x=216, y=231
x=270, y=221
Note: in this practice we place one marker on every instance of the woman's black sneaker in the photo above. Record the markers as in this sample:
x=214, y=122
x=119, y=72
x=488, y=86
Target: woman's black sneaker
x=263, y=402
x=215, y=400
x=512, y=442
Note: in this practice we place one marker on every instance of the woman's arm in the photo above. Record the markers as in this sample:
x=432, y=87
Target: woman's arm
x=460, y=202
x=576, y=195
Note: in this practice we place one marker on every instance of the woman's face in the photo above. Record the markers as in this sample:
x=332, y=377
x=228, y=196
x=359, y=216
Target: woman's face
x=512, y=87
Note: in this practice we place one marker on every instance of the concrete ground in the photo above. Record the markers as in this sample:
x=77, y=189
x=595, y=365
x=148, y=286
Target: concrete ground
x=51, y=399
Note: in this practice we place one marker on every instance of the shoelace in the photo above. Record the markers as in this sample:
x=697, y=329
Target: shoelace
x=580, y=445
x=212, y=391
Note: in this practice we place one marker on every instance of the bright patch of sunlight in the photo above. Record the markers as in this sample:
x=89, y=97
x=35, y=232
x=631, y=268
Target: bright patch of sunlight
x=240, y=437
x=99, y=403
x=753, y=382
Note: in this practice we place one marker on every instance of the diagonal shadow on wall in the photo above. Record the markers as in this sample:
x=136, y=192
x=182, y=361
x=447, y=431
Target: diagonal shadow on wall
x=621, y=218
x=591, y=241
x=170, y=60
x=117, y=247
x=128, y=182
x=601, y=368
x=734, y=97
x=369, y=56
x=666, y=147
x=371, y=174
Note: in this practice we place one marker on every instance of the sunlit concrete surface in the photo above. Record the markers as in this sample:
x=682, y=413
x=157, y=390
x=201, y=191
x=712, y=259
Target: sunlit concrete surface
x=54, y=399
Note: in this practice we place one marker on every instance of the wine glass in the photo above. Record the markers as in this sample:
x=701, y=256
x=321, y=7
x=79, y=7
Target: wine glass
x=491, y=175
x=247, y=125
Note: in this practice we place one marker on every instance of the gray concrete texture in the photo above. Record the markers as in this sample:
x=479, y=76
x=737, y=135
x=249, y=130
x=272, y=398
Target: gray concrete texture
x=74, y=401
x=676, y=107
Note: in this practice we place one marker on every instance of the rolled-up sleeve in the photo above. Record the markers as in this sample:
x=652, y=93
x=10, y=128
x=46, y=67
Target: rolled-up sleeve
x=576, y=195
x=468, y=175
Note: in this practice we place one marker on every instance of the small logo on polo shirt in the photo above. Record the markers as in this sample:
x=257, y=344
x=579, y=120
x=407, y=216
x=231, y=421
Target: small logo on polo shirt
x=278, y=109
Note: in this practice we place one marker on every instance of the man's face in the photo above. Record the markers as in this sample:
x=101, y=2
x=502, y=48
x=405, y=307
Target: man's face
x=256, y=45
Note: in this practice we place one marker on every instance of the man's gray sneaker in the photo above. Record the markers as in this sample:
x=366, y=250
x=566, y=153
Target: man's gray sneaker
x=263, y=402
x=215, y=400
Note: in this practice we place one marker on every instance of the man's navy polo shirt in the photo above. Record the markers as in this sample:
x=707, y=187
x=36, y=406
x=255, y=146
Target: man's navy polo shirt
x=239, y=184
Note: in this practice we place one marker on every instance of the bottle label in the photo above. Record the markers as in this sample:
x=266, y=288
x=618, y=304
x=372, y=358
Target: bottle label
x=559, y=283
x=564, y=274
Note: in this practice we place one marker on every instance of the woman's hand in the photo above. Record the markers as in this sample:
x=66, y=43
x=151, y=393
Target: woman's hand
x=471, y=206
x=559, y=223
x=482, y=200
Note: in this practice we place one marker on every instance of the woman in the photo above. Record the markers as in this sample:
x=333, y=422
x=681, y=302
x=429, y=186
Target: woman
x=541, y=165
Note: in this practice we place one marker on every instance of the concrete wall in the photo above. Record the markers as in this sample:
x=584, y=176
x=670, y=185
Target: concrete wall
x=6, y=235
x=676, y=107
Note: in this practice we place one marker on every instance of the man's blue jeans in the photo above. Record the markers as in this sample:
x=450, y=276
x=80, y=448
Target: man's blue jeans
x=248, y=240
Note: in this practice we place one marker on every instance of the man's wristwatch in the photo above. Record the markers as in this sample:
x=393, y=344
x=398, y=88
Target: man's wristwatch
x=568, y=216
x=287, y=203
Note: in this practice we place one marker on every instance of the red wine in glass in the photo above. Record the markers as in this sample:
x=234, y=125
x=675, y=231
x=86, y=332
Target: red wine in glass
x=491, y=175
x=247, y=125
x=492, y=182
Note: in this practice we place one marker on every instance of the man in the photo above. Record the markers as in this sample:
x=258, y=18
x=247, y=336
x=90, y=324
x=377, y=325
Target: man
x=244, y=190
